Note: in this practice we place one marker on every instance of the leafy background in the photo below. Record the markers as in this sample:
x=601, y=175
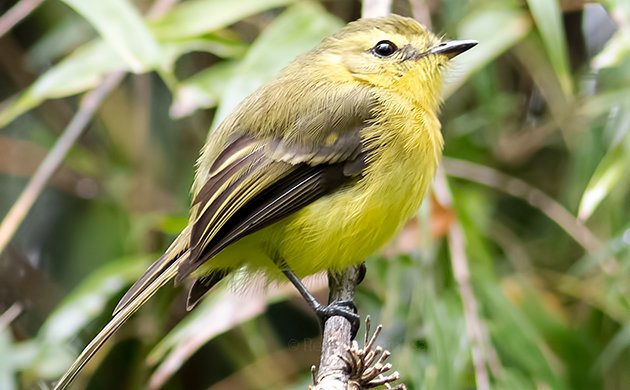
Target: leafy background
x=516, y=270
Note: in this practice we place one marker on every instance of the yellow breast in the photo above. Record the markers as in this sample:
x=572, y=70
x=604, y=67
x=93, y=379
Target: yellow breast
x=349, y=225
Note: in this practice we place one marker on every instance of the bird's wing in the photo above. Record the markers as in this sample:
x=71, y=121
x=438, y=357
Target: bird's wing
x=253, y=184
x=277, y=162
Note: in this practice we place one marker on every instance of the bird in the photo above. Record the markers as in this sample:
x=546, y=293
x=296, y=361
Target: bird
x=312, y=172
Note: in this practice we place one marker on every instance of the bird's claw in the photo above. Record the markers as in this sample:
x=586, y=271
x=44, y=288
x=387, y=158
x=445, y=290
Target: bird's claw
x=345, y=309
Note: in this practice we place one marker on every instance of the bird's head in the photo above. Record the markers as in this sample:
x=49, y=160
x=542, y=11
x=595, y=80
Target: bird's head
x=393, y=52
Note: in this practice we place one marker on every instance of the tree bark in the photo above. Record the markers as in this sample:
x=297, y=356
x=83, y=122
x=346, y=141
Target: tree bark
x=333, y=372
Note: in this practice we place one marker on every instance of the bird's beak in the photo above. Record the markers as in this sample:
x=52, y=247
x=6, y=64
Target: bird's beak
x=453, y=48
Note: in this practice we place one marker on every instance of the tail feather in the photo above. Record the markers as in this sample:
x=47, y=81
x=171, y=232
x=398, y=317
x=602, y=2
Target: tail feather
x=150, y=275
x=176, y=253
x=140, y=295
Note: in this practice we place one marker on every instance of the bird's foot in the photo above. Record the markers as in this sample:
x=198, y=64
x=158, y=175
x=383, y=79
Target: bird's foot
x=345, y=309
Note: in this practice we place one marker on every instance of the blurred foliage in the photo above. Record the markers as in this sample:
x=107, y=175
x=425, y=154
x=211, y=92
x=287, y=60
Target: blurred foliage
x=537, y=128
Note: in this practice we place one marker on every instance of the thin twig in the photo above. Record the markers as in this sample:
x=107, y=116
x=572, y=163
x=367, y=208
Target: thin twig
x=159, y=8
x=532, y=195
x=231, y=310
x=16, y=14
x=459, y=262
x=481, y=350
x=90, y=102
x=376, y=8
x=421, y=12
x=10, y=315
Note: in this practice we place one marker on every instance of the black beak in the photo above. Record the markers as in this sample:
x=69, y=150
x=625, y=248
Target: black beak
x=453, y=48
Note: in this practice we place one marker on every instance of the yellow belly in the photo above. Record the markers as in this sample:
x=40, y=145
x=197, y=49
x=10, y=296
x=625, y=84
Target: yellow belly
x=346, y=227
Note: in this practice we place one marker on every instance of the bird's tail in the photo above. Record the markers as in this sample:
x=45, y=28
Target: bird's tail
x=163, y=270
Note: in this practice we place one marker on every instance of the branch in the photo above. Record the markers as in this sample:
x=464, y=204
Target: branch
x=532, y=195
x=343, y=365
x=10, y=315
x=483, y=355
x=15, y=15
x=376, y=8
x=333, y=371
x=159, y=8
x=421, y=11
x=90, y=102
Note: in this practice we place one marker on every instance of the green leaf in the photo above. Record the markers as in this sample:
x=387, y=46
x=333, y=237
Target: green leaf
x=89, y=299
x=513, y=380
x=203, y=90
x=548, y=18
x=216, y=314
x=130, y=45
x=122, y=27
x=615, y=51
x=197, y=17
x=516, y=337
x=619, y=344
x=86, y=66
x=217, y=44
x=63, y=37
x=606, y=176
x=563, y=341
x=81, y=70
x=7, y=365
x=297, y=30
x=446, y=336
x=172, y=224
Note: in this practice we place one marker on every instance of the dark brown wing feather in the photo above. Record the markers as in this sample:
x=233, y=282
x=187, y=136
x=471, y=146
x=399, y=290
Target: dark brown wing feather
x=303, y=186
x=202, y=285
x=299, y=186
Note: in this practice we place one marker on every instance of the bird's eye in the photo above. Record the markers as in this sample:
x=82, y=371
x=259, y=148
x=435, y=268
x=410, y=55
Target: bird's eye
x=384, y=49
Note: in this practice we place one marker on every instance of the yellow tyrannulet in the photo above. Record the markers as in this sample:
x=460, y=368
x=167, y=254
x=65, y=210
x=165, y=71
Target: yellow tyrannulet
x=315, y=170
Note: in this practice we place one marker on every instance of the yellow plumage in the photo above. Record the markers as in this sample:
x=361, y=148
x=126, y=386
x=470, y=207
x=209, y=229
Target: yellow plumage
x=314, y=171
x=345, y=227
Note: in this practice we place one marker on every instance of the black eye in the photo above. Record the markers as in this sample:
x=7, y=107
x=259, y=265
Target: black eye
x=384, y=49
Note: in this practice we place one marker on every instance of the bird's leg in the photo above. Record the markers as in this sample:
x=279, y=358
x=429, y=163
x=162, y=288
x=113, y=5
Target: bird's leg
x=345, y=309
